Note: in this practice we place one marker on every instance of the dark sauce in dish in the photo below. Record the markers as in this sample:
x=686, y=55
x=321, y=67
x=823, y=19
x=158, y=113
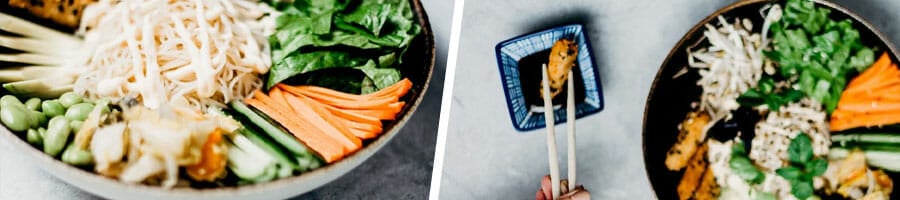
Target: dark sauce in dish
x=530, y=79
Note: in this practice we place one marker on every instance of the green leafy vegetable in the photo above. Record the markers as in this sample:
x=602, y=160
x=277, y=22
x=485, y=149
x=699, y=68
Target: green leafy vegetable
x=820, y=52
x=803, y=167
x=743, y=167
x=368, y=36
x=766, y=94
x=800, y=149
x=802, y=189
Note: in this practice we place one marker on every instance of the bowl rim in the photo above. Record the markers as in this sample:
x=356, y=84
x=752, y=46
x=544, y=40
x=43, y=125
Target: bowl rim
x=503, y=76
x=700, y=25
x=328, y=172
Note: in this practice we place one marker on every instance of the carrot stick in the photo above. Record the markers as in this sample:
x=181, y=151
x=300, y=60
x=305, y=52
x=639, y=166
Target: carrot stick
x=306, y=113
x=365, y=127
x=277, y=96
x=325, y=92
x=865, y=121
x=380, y=114
x=338, y=123
x=326, y=147
x=372, y=103
x=393, y=92
x=884, y=76
x=364, y=131
x=871, y=99
x=881, y=64
x=353, y=116
x=397, y=89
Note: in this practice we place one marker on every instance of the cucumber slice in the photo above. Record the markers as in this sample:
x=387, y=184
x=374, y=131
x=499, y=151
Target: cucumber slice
x=887, y=160
x=885, y=138
x=272, y=129
x=246, y=160
x=269, y=147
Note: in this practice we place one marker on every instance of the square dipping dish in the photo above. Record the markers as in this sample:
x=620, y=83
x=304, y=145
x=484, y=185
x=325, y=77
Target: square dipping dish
x=520, y=59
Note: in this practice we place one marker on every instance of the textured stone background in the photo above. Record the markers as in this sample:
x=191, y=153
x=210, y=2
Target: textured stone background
x=401, y=170
x=487, y=159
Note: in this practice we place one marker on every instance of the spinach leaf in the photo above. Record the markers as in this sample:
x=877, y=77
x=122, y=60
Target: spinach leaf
x=313, y=35
x=367, y=86
x=380, y=77
x=372, y=15
x=345, y=80
x=299, y=63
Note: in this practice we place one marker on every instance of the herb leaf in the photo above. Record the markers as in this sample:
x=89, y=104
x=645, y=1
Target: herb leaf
x=789, y=173
x=802, y=189
x=766, y=93
x=800, y=150
x=817, y=166
x=744, y=168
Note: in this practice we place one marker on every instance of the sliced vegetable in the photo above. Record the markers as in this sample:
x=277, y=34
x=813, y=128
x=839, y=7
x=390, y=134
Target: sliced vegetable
x=328, y=118
x=871, y=98
x=269, y=147
x=888, y=160
x=271, y=129
x=323, y=121
x=326, y=147
x=249, y=162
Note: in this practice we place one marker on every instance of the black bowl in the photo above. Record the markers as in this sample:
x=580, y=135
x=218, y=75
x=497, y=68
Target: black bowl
x=670, y=98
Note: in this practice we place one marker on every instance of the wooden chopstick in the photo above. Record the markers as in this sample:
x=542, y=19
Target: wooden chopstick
x=551, y=136
x=570, y=125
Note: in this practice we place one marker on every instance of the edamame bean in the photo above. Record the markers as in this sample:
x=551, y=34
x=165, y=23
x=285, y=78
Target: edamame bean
x=8, y=100
x=34, y=137
x=105, y=104
x=37, y=119
x=16, y=118
x=57, y=133
x=69, y=99
x=75, y=125
x=42, y=131
x=77, y=156
x=52, y=108
x=33, y=103
x=79, y=111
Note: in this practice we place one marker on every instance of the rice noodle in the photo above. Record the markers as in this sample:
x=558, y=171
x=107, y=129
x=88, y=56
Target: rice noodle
x=199, y=52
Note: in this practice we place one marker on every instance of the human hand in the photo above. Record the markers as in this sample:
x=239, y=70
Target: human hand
x=579, y=193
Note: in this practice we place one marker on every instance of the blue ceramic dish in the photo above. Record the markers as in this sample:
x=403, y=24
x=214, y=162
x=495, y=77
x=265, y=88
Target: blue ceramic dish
x=529, y=117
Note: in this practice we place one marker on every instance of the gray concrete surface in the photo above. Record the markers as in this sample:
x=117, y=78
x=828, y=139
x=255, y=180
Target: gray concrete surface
x=487, y=159
x=401, y=170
